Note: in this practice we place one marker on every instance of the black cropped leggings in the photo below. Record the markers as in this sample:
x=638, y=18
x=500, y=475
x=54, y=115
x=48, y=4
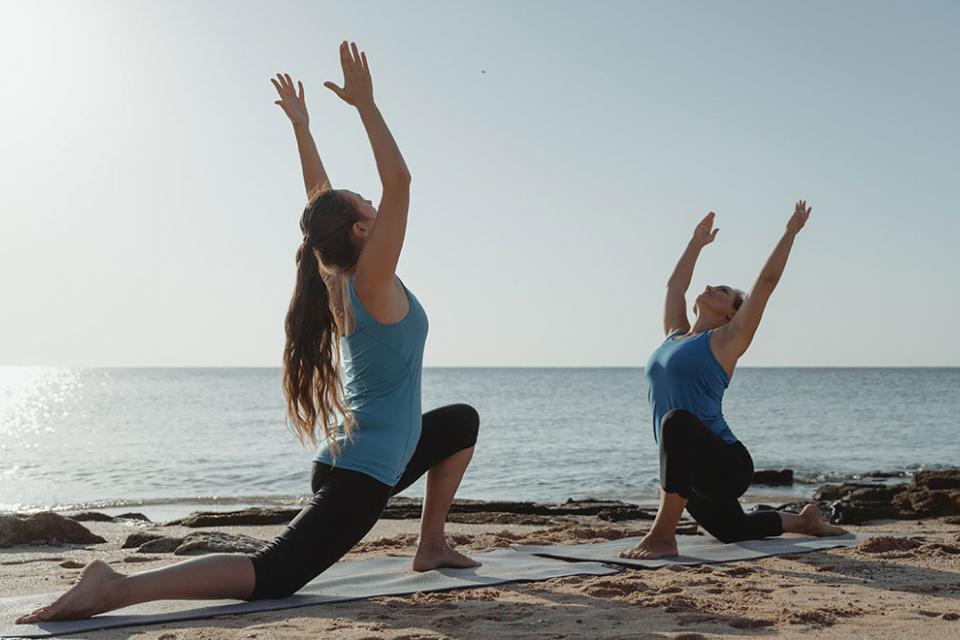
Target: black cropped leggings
x=346, y=504
x=711, y=475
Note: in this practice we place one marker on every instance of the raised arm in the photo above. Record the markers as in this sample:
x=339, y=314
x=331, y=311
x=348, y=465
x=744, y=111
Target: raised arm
x=292, y=102
x=734, y=337
x=675, y=307
x=378, y=259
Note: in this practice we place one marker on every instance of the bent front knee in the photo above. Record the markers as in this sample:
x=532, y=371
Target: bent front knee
x=468, y=425
x=676, y=425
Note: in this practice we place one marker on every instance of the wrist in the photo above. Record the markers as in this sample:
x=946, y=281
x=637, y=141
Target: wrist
x=366, y=107
x=301, y=127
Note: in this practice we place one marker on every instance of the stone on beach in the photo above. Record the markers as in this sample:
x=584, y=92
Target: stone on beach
x=91, y=516
x=202, y=542
x=43, y=528
x=139, y=539
x=928, y=494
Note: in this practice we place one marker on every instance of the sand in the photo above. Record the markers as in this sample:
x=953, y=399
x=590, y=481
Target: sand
x=904, y=582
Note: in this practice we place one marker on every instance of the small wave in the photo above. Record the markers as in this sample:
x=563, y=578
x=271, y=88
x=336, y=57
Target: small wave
x=893, y=476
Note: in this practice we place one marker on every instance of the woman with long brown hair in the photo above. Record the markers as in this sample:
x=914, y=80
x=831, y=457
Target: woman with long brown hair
x=349, y=311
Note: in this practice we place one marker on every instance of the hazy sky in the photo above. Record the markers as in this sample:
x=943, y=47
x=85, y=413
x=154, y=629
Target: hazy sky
x=561, y=153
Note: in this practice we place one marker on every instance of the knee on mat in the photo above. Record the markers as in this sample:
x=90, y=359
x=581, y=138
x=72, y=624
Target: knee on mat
x=724, y=534
x=675, y=425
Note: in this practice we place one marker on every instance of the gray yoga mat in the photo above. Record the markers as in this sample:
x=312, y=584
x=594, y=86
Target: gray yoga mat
x=341, y=582
x=693, y=550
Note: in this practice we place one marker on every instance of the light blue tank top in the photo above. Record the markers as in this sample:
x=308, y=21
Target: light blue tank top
x=684, y=374
x=382, y=364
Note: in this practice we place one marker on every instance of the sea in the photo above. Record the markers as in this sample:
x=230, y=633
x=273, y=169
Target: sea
x=168, y=441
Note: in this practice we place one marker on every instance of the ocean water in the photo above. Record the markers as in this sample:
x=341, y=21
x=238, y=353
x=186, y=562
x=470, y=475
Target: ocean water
x=170, y=440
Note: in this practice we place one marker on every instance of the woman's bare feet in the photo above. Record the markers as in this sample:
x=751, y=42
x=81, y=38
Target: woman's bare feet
x=652, y=546
x=814, y=524
x=93, y=594
x=436, y=554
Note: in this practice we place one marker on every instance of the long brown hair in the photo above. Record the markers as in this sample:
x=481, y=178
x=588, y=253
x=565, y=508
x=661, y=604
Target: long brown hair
x=311, y=355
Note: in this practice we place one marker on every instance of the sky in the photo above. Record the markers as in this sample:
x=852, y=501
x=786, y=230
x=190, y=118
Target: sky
x=561, y=154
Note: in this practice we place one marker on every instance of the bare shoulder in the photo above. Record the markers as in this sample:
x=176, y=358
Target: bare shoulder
x=387, y=304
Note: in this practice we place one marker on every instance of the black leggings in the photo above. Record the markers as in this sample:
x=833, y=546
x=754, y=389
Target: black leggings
x=711, y=475
x=346, y=504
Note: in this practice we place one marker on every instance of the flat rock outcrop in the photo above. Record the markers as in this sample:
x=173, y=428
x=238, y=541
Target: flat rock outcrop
x=468, y=511
x=43, y=528
x=928, y=494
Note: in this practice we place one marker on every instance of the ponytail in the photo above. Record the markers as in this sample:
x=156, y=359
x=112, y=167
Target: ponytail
x=311, y=357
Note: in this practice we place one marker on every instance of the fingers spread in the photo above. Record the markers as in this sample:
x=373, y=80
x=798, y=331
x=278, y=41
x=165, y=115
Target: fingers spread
x=356, y=53
x=300, y=87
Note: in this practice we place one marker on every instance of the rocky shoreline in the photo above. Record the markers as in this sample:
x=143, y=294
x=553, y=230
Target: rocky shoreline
x=929, y=494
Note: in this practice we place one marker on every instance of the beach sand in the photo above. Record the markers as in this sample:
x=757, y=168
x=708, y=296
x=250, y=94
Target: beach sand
x=879, y=589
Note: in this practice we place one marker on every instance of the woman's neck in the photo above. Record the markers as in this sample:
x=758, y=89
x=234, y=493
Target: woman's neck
x=705, y=322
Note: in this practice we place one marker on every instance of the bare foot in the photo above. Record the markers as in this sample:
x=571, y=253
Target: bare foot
x=815, y=525
x=93, y=594
x=433, y=556
x=652, y=547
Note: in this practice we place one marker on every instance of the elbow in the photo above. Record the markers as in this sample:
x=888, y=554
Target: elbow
x=769, y=280
x=398, y=179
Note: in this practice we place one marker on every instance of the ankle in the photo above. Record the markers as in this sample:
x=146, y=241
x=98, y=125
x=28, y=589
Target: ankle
x=662, y=534
x=432, y=541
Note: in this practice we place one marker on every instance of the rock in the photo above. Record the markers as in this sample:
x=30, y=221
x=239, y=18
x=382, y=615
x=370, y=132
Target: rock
x=879, y=493
x=217, y=542
x=133, y=516
x=952, y=520
x=609, y=510
x=202, y=542
x=138, y=539
x=72, y=564
x=243, y=517
x=929, y=494
x=936, y=480
x=924, y=502
x=164, y=544
x=773, y=477
x=91, y=516
x=474, y=511
x=43, y=528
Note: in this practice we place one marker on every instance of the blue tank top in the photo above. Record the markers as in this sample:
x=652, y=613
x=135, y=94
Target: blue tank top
x=684, y=374
x=382, y=364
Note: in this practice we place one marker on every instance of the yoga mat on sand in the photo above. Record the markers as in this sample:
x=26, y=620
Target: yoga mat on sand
x=693, y=550
x=341, y=582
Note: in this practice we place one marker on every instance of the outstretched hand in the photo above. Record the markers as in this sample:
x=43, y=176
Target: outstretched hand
x=357, y=89
x=291, y=100
x=704, y=233
x=799, y=218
